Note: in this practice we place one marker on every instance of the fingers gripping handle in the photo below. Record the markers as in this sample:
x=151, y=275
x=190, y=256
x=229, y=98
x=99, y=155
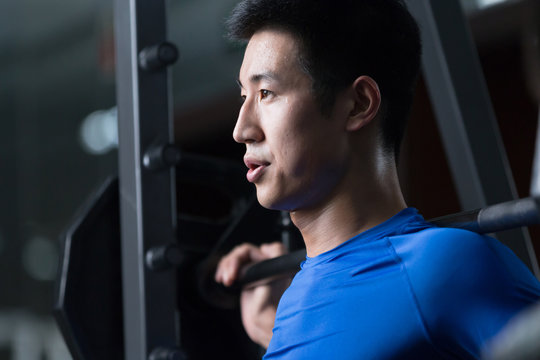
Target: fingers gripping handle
x=264, y=271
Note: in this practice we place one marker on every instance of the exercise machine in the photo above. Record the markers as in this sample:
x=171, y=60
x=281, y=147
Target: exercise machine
x=131, y=227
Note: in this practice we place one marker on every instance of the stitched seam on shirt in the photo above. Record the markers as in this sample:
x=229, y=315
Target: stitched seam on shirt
x=413, y=294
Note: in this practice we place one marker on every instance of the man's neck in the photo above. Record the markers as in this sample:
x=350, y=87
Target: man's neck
x=357, y=204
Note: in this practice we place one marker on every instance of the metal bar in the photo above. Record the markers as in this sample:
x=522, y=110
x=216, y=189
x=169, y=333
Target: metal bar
x=535, y=178
x=281, y=266
x=147, y=198
x=498, y=217
x=465, y=115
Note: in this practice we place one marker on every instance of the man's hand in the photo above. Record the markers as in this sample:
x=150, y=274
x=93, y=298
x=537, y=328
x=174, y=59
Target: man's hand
x=258, y=303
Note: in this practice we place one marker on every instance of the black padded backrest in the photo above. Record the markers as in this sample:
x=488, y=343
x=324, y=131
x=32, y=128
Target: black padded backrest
x=88, y=305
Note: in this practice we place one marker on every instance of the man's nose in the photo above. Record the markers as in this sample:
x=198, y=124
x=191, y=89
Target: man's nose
x=247, y=129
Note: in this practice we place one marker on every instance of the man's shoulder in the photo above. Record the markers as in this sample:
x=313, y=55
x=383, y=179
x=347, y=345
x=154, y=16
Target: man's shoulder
x=466, y=285
x=449, y=259
x=455, y=266
x=436, y=244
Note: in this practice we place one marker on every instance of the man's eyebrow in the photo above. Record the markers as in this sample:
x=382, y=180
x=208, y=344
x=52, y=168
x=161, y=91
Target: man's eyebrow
x=255, y=78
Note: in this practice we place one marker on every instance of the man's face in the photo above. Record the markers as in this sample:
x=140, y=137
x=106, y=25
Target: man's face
x=295, y=155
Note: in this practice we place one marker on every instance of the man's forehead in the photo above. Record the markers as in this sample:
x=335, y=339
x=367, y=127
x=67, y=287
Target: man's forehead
x=270, y=39
x=269, y=54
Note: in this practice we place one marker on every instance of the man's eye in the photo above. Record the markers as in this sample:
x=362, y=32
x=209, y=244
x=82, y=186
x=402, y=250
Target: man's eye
x=265, y=93
x=242, y=98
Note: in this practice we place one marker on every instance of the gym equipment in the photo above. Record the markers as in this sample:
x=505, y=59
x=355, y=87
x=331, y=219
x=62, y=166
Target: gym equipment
x=494, y=218
x=240, y=230
x=465, y=115
x=152, y=322
x=519, y=339
x=89, y=306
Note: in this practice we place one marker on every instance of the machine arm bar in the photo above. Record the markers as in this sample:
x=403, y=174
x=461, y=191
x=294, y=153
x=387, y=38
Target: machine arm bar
x=498, y=217
x=503, y=216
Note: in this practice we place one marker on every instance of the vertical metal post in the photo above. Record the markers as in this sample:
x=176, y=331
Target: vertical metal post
x=147, y=198
x=535, y=177
x=465, y=114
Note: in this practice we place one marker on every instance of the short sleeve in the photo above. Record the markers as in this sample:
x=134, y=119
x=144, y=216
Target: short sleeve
x=467, y=287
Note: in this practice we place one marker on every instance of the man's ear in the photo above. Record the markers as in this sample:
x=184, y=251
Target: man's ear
x=367, y=101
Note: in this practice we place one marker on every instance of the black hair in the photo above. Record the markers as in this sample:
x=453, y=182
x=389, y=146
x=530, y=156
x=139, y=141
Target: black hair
x=341, y=40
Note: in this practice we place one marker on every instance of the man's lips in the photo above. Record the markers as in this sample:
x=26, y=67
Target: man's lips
x=256, y=168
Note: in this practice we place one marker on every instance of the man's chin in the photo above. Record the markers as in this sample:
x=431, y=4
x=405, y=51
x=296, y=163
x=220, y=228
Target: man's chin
x=273, y=203
x=268, y=205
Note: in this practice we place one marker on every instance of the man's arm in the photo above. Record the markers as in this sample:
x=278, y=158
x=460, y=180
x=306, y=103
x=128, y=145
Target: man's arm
x=258, y=303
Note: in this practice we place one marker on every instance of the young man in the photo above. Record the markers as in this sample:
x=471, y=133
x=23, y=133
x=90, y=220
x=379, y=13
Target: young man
x=327, y=88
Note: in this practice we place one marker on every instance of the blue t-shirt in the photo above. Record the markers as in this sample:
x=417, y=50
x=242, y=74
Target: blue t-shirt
x=402, y=290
